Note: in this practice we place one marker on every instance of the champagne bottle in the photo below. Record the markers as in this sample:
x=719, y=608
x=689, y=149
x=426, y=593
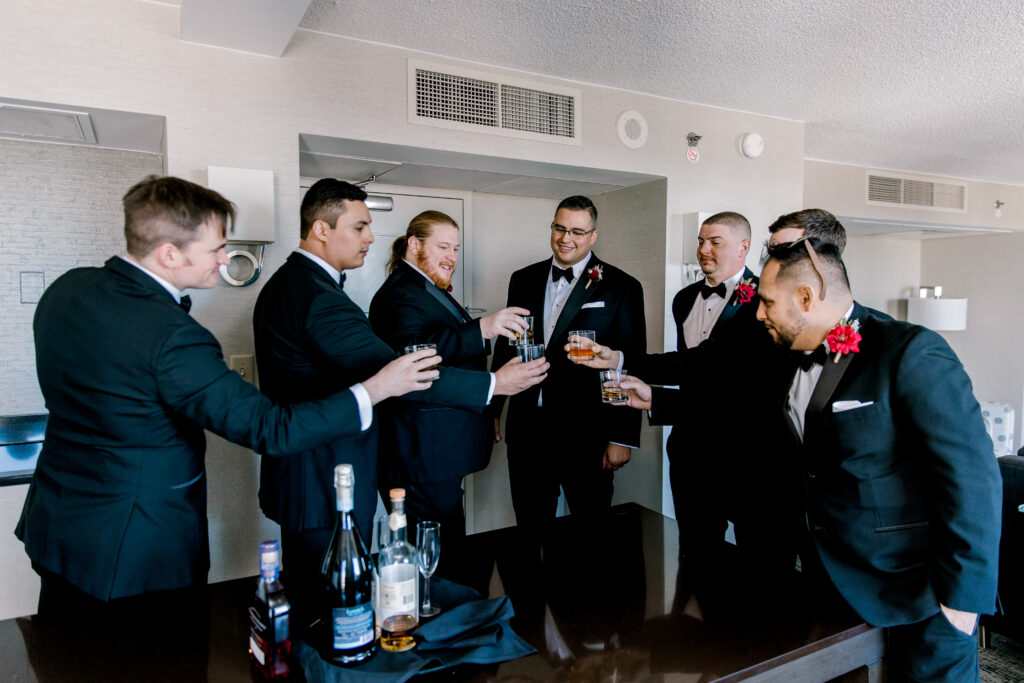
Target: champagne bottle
x=347, y=573
x=399, y=582
x=269, y=643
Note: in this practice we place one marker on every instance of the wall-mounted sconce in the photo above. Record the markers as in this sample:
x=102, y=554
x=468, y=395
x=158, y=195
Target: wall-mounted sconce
x=930, y=310
x=252, y=192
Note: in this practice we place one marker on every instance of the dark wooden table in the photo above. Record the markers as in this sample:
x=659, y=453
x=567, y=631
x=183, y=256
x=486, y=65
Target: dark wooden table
x=606, y=602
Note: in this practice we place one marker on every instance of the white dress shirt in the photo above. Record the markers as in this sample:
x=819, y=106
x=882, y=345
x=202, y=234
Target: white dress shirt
x=705, y=312
x=803, y=386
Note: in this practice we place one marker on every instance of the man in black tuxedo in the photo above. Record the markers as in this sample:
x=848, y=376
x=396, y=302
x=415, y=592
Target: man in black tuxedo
x=117, y=506
x=310, y=339
x=427, y=449
x=902, y=492
x=560, y=434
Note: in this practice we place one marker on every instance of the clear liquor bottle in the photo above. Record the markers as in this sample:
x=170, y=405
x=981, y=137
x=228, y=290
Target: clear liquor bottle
x=399, y=582
x=269, y=642
x=349, y=579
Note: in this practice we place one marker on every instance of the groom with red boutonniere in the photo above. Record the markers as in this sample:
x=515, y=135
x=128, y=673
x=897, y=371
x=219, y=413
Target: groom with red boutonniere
x=903, y=494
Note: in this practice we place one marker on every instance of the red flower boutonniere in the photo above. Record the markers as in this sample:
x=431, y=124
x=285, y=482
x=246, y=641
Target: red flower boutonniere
x=844, y=338
x=744, y=291
x=594, y=275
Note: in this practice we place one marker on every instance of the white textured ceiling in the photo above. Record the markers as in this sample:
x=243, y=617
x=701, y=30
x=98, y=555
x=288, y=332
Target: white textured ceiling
x=926, y=86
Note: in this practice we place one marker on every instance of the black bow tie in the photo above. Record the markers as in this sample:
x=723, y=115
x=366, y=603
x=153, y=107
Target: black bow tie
x=557, y=272
x=706, y=290
x=808, y=360
x=186, y=303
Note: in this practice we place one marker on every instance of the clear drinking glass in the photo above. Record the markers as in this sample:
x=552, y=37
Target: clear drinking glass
x=428, y=552
x=524, y=337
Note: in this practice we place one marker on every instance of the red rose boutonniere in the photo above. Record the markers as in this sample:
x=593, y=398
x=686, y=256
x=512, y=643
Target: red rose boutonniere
x=594, y=275
x=744, y=291
x=844, y=338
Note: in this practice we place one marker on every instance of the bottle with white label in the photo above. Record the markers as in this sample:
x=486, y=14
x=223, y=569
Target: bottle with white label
x=399, y=582
x=348, y=577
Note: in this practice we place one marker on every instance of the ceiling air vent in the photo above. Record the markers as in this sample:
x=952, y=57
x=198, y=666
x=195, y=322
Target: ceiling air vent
x=466, y=100
x=40, y=123
x=917, y=192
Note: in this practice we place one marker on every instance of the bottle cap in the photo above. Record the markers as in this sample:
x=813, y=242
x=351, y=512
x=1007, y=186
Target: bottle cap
x=344, y=475
x=397, y=494
x=269, y=559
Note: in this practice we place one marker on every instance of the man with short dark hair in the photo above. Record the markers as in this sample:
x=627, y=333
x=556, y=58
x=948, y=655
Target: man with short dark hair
x=560, y=435
x=903, y=495
x=117, y=504
x=310, y=339
x=814, y=223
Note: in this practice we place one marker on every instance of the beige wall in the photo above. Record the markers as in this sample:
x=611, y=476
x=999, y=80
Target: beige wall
x=987, y=271
x=842, y=189
x=233, y=109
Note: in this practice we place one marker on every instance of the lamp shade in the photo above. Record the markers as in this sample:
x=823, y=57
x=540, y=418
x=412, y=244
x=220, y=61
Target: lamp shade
x=938, y=314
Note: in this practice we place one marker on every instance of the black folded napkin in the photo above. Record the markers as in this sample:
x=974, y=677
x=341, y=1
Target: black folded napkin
x=469, y=630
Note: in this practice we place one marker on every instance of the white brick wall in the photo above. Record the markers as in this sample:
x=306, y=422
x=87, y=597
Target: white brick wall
x=60, y=208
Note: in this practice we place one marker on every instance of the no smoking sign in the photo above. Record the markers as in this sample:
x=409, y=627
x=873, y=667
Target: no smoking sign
x=693, y=155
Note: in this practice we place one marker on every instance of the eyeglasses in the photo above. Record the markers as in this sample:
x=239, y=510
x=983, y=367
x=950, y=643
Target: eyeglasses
x=575, y=232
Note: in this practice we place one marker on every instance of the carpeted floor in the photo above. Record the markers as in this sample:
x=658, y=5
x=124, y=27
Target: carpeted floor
x=1003, y=662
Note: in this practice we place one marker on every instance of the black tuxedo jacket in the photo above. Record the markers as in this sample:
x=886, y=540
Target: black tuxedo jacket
x=903, y=493
x=736, y=354
x=420, y=441
x=310, y=340
x=117, y=505
x=614, y=308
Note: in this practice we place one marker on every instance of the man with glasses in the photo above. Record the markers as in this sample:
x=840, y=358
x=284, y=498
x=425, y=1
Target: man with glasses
x=560, y=434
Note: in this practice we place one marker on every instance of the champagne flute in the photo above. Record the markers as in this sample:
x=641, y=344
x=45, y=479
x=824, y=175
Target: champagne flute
x=428, y=552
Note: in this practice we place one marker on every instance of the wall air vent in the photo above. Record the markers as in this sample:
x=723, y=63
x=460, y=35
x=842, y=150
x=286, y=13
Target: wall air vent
x=41, y=123
x=474, y=101
x=916, y=192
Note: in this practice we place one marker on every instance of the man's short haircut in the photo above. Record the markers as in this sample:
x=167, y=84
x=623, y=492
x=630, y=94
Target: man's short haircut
x=161, y=209
x=325, y=201
x=578, y=202
x=738, y=223
x=794, y=259
x=816, y=223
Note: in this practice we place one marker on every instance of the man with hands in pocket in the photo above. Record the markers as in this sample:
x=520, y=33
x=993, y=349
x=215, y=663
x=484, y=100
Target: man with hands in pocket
x=903, y=495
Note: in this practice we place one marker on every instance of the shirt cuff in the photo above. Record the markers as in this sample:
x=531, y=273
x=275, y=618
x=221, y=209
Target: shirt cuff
x=622, y=361
x=365, y=405
x=490, y=390
x=624, y=445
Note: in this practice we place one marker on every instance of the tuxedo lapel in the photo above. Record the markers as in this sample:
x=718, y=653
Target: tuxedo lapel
x=445, y=300
x=733, y=305
x=831, y=373
x=580, y=295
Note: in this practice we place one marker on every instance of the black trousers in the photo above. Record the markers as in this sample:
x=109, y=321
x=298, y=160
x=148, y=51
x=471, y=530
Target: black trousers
x=158, y=631
x=557, y=455
x=932, y=650
x=302, y=554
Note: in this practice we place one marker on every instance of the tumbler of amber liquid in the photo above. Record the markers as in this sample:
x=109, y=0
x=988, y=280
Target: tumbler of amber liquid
x=419, y=347
x=581, y=345
x=611, y=392
x=524, y=337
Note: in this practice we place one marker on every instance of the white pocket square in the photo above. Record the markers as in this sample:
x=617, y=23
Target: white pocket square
x=594, y=304
x=843, y=406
